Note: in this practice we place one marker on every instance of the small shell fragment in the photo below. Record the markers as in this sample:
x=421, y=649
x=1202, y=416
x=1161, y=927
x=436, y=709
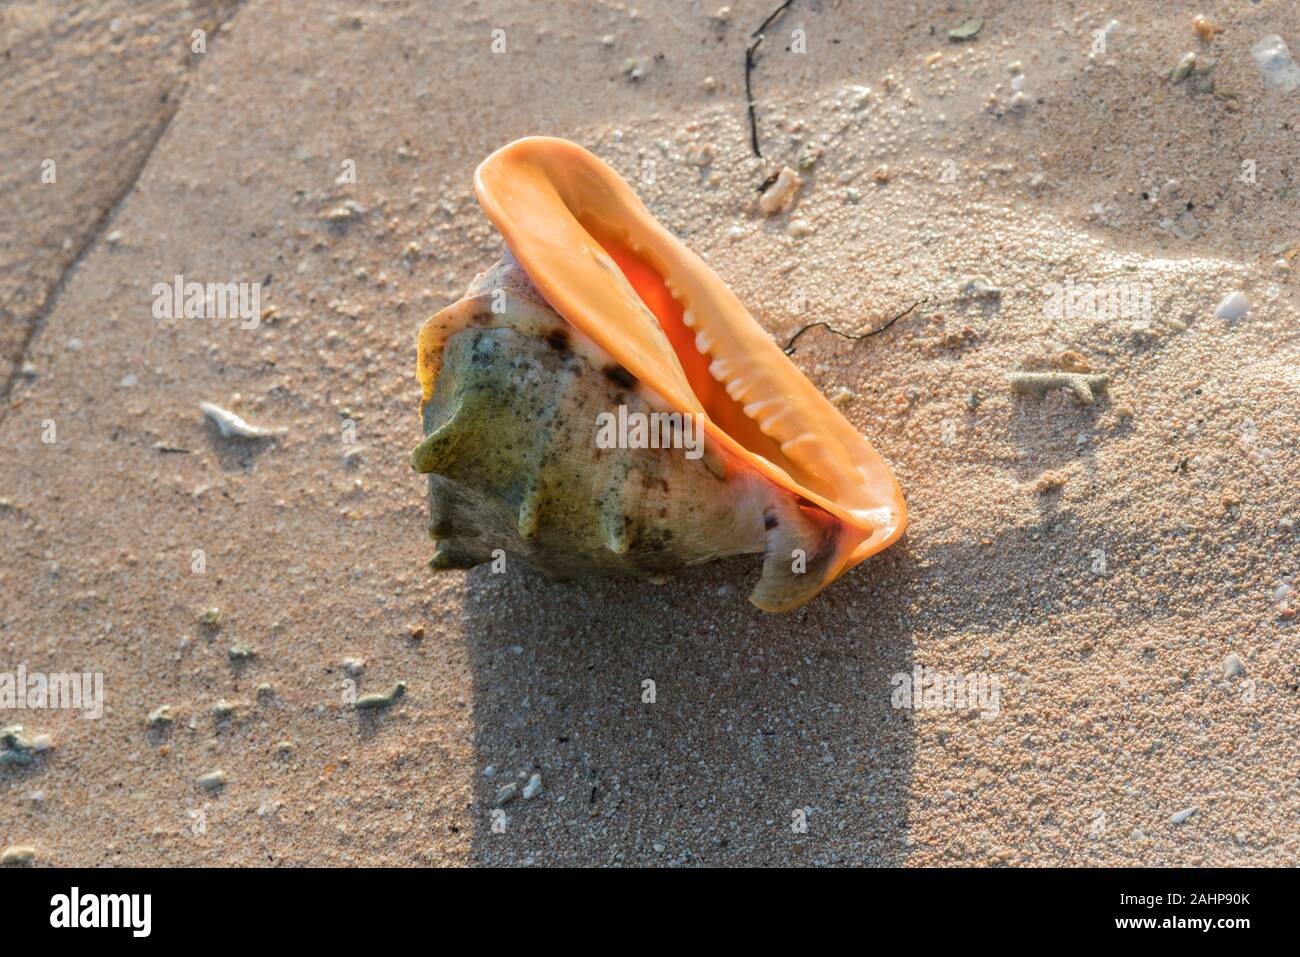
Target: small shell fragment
x=18, y=855
x=779, y=195
x=1233, y=307
x=506, y=793
x=231, y=424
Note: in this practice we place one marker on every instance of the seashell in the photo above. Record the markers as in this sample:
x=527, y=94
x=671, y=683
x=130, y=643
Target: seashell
x=597, y=317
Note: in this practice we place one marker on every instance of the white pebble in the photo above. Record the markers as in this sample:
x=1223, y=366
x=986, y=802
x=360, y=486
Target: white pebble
x=533, y=787
x=1275, y=63
x=1233, y=666
x=1182, y=815
x=1232, y=308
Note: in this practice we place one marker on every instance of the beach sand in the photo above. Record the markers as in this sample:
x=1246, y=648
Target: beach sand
x=1100, y=562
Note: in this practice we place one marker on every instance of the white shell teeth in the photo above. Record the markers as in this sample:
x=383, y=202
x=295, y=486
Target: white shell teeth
x=703, y=342
x=755, y=409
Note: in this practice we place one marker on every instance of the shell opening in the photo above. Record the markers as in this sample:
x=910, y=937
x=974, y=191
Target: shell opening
x=710, y=377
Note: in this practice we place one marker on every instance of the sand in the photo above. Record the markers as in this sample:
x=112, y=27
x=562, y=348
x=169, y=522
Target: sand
x=1101, y=561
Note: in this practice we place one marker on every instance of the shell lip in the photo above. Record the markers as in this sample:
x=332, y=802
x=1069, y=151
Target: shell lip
x=547, y=196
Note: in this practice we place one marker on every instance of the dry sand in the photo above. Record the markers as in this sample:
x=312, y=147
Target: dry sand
x=1105, y=606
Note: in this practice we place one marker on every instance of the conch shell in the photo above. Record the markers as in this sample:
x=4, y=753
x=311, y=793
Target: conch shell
x=596, y=312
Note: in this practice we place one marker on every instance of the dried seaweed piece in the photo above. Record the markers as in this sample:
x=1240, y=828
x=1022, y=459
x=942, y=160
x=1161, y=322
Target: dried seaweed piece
x=789, y=346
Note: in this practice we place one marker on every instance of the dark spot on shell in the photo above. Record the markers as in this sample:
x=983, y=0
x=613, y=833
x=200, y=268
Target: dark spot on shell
x=620, y=376
x=770, y=522
x=558, y=340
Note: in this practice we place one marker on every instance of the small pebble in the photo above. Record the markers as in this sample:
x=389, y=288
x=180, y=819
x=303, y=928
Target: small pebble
x=1233, y=666
x=212, y=781
x=160, y=716
x=968, y=30
x=634, y=68
x=506, y=793
x=809, y=155
x=1071, y=361
x=981, y=288
x=1184, y=67
x=1182, y=815
x=18, y=855
x=1205, y=28
x=1233, y=307
x=1275, y=63
x=1050, y=480
x=533, y=787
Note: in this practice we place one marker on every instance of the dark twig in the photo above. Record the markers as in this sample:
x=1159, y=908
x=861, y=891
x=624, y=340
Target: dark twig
x=757, y=37
x=749, y=97
x=789, y=346
x=770, y=17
